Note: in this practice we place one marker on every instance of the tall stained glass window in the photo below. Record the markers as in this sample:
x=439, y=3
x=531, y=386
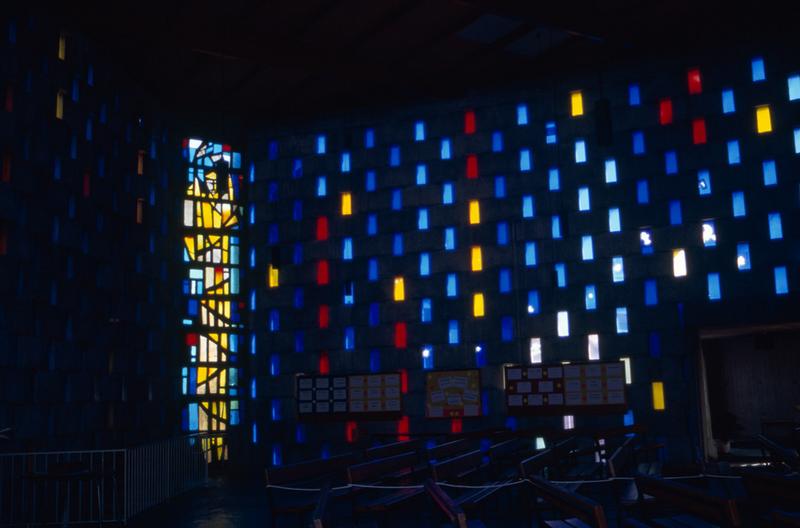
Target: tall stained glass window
x=212, y=322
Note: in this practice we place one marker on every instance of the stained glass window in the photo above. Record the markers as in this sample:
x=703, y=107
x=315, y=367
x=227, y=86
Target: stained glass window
x=212, y=321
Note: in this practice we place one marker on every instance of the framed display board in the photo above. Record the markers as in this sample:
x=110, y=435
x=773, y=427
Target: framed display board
x=576, y=388
x=349, y=397
x=453, y=393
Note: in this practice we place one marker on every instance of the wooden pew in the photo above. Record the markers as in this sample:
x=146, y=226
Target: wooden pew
x=396, y=470
x=770, y=492
x=318, y=515
x=451, y=449
x=686, y=504
x=389, y=450
x=310, y=473
x=469, y=468
x=621, y=458
x=579, y=511
x=505, y=456
x=545, y=459
x=456, y=469
x=447, y=505
x=782, y=519
x=779, y=453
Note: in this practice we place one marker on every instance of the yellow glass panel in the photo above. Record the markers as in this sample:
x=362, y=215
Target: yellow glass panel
x=399, y=289
x=62, y=47
x=679, y=263
x=576, y=103
x=474, y=212
x=273, y=276
x=477, y=258
x=478, y=309
x=347, y=204
x=60, y=105
x=763, y=119
x=659, y=403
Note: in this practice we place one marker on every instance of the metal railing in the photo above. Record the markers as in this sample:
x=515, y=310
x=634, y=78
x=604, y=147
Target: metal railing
x=101, y=486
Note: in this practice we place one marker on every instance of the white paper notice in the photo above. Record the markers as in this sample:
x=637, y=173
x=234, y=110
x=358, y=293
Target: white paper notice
x=305, y=407
x=339, y=394
x=594, y=384
x=514, y=400
x=572, y=371
x=615, y=384
x=514, y=374
x=555, y=372
x=305, y=395
x=555, y=399
x=572, y=385
x=536, y=400
x=545, y=386
x=356, y=394
x=323, y=407
x=305, y=383
x=434, y=411
x=574, y=398
x=535, y=373
x=339, y=382
x=616, y=397
x=594, y=398
x=357, y=406
x=340, y=406
x=392, y=405
x=471, y=410
x=524, y=387
x=323, y=383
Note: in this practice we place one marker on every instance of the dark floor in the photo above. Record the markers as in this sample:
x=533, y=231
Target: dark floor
x=224, y=503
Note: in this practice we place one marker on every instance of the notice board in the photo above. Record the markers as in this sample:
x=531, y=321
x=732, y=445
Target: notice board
x=349, y=397
x=453, y=393
x=576, y=388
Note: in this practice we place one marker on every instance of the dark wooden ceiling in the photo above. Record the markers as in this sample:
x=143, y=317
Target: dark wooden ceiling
x=282, y=60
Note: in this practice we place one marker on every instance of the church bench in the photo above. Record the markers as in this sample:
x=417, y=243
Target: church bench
x=576, y=510
x=454, y=513
x=306, y=474
x=684, y=505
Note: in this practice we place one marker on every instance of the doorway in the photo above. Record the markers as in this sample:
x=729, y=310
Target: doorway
x=750, y=385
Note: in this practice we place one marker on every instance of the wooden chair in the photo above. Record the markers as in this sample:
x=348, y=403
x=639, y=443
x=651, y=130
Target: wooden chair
x=578, y=511
x=469, y=468
x=678, y=504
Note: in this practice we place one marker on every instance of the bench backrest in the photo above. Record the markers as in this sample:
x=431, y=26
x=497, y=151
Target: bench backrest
x=569, y=503
x=772, y=489
x=450, y=449
x=310, y=469
x=786, y=455
x=456, y=467
x=375, y=470
x=396, y=448
x=621, y=457
x=507, y=448
x=534, y=465
x=446, y=504
x=691, y=500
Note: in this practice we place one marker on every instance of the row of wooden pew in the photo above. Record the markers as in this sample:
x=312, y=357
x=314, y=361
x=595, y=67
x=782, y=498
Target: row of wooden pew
x=451, y=476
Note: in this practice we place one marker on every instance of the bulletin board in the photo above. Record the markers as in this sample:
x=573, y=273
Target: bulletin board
x=349, y=397
x=453, y=393
x=576, y=388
